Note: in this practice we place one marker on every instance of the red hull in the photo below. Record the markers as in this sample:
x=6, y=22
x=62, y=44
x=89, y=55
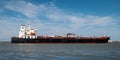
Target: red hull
x=41, y=39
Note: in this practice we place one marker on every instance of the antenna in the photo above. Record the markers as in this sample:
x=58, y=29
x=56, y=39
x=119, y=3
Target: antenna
x=29, y=23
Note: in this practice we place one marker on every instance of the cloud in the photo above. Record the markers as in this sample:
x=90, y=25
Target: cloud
x=54, y=14
x=102, y=21
x=50, y=19
x=26, y=8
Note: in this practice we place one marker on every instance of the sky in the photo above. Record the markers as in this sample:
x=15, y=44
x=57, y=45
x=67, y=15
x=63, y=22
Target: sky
x=59, y=17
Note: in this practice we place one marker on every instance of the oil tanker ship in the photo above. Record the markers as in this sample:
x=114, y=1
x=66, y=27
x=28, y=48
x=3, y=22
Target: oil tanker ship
x=28, y=35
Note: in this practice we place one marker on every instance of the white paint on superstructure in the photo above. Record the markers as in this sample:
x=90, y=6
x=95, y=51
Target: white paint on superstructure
x=27, y=32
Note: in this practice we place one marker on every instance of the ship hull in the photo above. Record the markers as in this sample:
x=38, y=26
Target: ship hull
x=59, y=40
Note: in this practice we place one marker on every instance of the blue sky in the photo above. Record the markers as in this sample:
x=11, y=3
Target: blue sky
x=59, y=17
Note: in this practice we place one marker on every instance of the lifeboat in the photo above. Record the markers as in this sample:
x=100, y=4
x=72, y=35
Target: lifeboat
x=32, y=33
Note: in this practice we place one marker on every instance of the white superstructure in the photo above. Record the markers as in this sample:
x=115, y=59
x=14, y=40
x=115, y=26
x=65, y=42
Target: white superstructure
x=27, y=32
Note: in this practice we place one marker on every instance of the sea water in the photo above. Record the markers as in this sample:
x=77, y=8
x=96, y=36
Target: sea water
x=27, y=51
